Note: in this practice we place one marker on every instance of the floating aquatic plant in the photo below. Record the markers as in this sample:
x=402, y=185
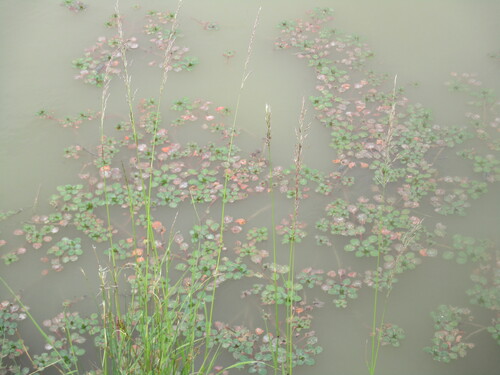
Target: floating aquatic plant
x=112, y=22
x=468, y=249
x=448, y=341
x=69, y=121
x=74, y=5
x=163, y=38
x=228, y=54
x=68, y=331
x=392, y=334
x=485, y=291
x=398, y=142
x=209, y=25
x=494, y=329
x=4, y=215
x=13, y=347
x=385, y=171
x=64, y=251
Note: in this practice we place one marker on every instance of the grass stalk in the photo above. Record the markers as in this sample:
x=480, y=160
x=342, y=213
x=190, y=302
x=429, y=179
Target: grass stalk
x=107, y=313
x=301, y=134
x=151, y=322
x=275, y=252
x=389, y=159
x=245, y=76
x=165, y=348
x=375, y=337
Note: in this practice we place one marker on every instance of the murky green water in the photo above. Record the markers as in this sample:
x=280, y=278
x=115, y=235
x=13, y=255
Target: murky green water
x=420, y=42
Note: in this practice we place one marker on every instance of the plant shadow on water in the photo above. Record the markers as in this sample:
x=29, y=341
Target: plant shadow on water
x=160, y=282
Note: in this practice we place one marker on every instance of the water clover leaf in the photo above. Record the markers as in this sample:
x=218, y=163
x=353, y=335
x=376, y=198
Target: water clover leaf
x=322, y=102
x=4, y=215
x=494, y=329
x=91, y=225
x=181, y=266
x=82, y=63
x=187, y=63
x=10, y=257
x=354, y=243
x=257, y=234
x=440, y=230
x=67, y=249
x=482, y=295
x=391, y=334
x=182, y=104
x=287, y=25
x=467, y=249
x=232, y=270
x=485, y=291
x=322, y=240
x=447, y=340
x=74, y=5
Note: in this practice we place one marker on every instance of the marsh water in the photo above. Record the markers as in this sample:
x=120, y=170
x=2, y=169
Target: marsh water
x=421, y=42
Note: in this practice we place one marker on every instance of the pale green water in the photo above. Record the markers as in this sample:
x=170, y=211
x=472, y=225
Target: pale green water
x=420, y=41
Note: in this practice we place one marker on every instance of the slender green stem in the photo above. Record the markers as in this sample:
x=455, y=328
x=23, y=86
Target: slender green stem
x=384, y=180
x=375, y=338
x=275, y=252
x=301, y=134
x=227, y=172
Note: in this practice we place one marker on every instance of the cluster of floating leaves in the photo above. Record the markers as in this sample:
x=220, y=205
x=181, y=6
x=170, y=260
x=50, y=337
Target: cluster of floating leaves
x=376, y=134
x=74, y=5
x=4, y=215
x=113, y=21
x=448, y=341
x=105, y=57
x=209, y=25
x=391, y=335
x=486, y=289
x=380, y=133
x=101, y=59
x=342, y=284
x=229, y=54
x=450, y=322
x=13, y=346
x=64, y=344
x=159, y=29
x=67, y=334
x=260, y=346
x=69, y=121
